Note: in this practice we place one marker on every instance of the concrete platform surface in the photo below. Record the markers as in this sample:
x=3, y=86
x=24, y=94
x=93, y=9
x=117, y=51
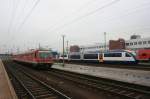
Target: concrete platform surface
x=6, y=89
x=140, y=77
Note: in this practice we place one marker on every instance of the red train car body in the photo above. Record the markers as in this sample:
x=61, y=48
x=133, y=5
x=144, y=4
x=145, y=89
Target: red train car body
x=37, y=58
x=143, y=55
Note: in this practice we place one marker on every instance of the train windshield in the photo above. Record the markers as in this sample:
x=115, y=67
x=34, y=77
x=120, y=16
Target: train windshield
x=133, y=53
x=45, y=54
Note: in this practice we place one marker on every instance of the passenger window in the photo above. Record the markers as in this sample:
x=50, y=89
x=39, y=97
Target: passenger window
x=139, y=43
x=112, y=55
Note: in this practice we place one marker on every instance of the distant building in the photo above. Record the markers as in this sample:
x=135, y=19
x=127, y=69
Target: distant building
x=74, y=48
x=135, y=42
x=117, y=44
x=139, y=43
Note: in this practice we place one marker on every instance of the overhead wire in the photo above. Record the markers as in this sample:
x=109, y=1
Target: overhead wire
x=76, y=19
x=35, y=3
x=13, y=14
x=20, y=15
x=16, y=7
x=87, y=14
x=28, y=15
x=128, y=12
x=15, y=4
x=73, y=13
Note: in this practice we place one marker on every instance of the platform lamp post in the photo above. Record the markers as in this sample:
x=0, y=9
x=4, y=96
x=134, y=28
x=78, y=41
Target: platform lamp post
x=63, y=36
x=105, y=40
x=67, y=48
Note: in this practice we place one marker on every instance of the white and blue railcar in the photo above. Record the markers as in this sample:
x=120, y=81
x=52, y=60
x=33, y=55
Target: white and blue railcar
x=114, y=56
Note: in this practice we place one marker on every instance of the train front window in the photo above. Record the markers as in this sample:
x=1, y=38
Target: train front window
x=128, y=55
x=44, y=54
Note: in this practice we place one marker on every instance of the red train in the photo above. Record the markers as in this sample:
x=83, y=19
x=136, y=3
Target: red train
x=36, y=58
x=143, y=55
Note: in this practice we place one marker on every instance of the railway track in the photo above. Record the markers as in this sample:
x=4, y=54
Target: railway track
x=20, y=90
x=118, y=90
x=28, y=87
x=124, y=90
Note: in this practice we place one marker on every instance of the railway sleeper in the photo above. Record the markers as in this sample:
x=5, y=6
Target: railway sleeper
x=38, y=90
x=41, y=92
x=121, y=90
x=46, y=96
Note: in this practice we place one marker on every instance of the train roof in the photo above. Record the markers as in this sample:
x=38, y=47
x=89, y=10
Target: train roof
x=118, y=51
x=109, y=51
x=31, y=51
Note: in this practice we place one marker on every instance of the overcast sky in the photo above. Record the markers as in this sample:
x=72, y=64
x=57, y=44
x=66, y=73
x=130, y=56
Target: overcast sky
x=26, y=23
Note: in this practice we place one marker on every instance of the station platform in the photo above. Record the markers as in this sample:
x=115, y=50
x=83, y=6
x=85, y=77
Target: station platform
x=140, y=77
x=6, y=89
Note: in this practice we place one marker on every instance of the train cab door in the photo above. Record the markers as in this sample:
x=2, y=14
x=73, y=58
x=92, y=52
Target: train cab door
x=101, y=58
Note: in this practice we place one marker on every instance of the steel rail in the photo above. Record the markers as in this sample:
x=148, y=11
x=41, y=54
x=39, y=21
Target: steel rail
x=126, y=91
x=34, y=87
x=10, y=72
x=121, y=66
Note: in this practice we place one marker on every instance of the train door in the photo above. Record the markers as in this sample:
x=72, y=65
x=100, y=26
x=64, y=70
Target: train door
x=101, y=58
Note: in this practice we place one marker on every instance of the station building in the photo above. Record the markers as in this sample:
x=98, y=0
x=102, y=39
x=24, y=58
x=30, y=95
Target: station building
x=74, y=48
x=117, y=44
x=140, y=43
x=134, y=43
